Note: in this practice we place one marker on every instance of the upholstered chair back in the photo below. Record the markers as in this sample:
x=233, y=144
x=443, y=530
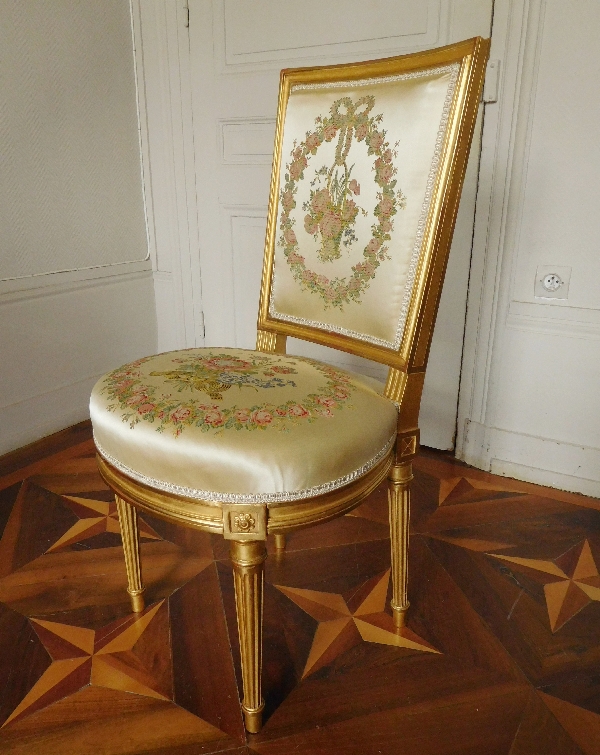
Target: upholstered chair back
x=366, y=156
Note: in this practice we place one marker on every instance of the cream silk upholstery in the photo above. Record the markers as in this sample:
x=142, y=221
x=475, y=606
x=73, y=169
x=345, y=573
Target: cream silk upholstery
x=359, y=163
x=368, y=166
x=240, y=426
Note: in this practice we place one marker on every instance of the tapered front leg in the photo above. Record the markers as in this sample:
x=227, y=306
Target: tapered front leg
x=128, y=520
x=248, y=558
x=399, y=503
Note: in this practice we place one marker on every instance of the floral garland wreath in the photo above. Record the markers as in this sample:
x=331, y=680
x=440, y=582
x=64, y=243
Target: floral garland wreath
x=355, y=121
x=127, y=391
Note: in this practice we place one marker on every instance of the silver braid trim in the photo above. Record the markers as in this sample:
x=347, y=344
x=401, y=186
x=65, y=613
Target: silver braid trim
x=216, y=497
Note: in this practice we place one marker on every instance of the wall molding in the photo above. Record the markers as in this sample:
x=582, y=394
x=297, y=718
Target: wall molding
x=552, y=311
x=51, y=277
x=19, y=287
x=231, y=61
x=49, y=283
x=66, y=285
x=553, y=326
x=235, y=219
x=142, y=111
x=230, y=131
x=554, y=463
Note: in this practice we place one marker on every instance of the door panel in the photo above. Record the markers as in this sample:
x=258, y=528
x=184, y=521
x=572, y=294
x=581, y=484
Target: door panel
x=237, y=49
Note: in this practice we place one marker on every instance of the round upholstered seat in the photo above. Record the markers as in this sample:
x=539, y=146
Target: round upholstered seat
x=231, y=425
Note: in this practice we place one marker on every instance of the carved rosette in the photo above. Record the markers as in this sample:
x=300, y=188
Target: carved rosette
x=244, y=521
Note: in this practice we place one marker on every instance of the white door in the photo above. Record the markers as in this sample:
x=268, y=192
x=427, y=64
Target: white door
x=237, y=49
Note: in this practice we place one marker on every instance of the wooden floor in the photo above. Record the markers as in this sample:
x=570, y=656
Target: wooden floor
x=501, y=654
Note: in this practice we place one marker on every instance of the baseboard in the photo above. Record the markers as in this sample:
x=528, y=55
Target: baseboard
x=543, y=461
x=34, y=418
x=50, y=444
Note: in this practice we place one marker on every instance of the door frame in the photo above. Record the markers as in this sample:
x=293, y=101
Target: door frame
x=516, y=37
x=166, y=104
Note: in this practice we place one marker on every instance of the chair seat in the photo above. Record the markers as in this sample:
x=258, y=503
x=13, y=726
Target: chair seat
x=233, y=426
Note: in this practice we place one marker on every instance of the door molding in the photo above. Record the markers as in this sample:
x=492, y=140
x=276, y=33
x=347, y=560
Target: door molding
x=516, y=38
x=231, y=58
x=162, y=58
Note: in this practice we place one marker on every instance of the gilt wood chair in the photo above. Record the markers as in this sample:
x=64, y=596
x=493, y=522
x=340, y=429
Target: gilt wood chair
x=367, y=174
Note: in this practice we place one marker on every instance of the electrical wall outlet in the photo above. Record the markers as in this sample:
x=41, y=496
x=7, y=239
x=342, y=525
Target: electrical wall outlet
x=552, y=282
x=492, y=81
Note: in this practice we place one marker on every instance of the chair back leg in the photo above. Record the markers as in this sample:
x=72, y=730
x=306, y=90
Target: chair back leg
x=128, y=521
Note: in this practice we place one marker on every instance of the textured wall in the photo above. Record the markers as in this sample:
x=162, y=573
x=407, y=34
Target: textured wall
x=76, y=294
x=70, y=188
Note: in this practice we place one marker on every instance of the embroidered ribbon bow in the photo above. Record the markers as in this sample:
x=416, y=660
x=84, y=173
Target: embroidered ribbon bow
x=348, y=121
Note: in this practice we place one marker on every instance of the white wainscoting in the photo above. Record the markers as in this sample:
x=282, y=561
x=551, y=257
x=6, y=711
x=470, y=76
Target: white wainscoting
x=76, y=310
x=291, y=33
x=247, y=141
x=544, y=461
x=56, y=341
x=529, y=404
x=71, y=190
x=244, y=239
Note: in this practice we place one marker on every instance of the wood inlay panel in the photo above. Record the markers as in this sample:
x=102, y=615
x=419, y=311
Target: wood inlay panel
x=204, y=677
x=501, y=652
x=541, y=732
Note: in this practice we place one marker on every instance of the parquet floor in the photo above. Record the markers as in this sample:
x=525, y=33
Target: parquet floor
x=501, y=654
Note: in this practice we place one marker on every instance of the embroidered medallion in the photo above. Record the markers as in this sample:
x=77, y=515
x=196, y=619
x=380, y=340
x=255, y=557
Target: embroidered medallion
x=218, y=374
x=332, y=206
x=192, y=393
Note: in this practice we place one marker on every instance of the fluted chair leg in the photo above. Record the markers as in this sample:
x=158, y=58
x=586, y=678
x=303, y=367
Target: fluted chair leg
x=399, y=503
x=248, y=558
x=128, y=521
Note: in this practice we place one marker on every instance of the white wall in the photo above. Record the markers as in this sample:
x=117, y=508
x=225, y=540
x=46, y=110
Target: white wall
x=530, y=405
x=162, y=55
x=76, y=288
x=56, y=341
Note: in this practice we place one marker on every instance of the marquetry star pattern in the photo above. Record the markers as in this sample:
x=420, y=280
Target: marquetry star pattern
x=455, y=490
x=95, y=517
x=344, y=624
x=130, y=655
x=571, y=581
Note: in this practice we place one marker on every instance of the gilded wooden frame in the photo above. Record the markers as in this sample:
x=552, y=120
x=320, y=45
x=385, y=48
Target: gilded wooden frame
x=411, y=357
x=247, y=525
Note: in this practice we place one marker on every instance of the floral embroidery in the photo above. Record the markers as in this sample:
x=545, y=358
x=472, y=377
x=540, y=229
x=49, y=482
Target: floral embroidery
x=332, y=208
x=216, y=375
x=213, y=375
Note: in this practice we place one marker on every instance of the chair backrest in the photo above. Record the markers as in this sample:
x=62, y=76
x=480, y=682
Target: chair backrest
x=367, y=173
